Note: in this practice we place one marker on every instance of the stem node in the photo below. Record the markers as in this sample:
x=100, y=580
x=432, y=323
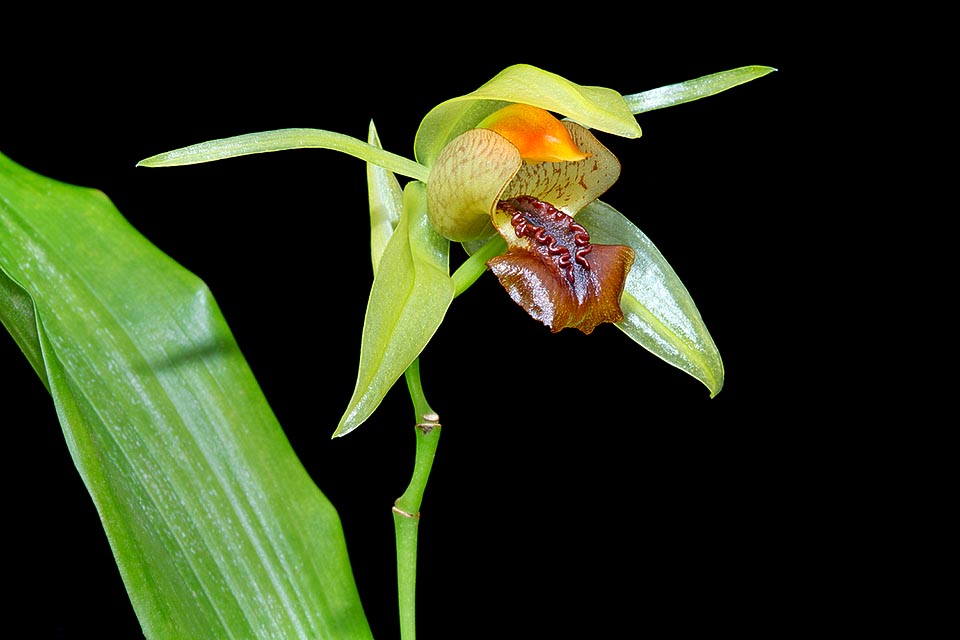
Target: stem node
x=430, y=421
x=406, y=514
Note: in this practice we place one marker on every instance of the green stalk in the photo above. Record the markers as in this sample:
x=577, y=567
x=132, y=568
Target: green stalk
x=406, y=510
x=475, y=266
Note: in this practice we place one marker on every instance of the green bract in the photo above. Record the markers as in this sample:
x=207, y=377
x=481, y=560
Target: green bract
x=410, y=295
x=412, y=288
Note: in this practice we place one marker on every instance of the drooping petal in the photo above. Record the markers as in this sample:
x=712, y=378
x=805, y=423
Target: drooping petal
x=659, y=313
x=282, y=139
x=466, y=182
x=553, y=271
x=535, y=132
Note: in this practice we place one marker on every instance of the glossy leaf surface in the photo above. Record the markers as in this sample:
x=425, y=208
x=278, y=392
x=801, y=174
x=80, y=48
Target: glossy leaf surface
x=217, y=529
x=659, y=313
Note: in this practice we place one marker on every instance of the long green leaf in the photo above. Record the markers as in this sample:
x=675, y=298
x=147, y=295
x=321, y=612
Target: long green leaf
x=409, y=298
x=659, y=313
x=216, y=527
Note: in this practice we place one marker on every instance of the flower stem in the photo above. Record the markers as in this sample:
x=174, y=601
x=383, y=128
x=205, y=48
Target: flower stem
x=474, y=266
x=406, y=510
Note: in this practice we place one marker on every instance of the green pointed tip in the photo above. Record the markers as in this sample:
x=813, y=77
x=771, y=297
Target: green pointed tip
x=696, y=89
x=343, y=429
x=716, y=387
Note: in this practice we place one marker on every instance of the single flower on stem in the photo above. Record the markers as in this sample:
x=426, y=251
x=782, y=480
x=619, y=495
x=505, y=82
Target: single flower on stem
x=495, y=171
x=529, y=174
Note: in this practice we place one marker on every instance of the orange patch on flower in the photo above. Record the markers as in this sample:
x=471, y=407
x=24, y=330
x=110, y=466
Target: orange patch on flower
x=535, y=132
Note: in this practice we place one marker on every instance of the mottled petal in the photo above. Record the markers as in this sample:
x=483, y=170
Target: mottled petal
x=569, y=186
x=553, y=271
x=466, y=181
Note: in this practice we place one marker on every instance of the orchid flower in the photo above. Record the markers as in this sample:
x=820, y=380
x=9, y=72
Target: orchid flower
x=528, y=174
x=513, y=172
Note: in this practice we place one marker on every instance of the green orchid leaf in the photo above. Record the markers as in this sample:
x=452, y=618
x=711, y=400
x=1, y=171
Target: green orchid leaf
x=411, y=293
x=282, y=140
x=217, y=529
x=17, y=315
x=690, y=90
x=593, y=107
x=386, y=202
x=659, y=313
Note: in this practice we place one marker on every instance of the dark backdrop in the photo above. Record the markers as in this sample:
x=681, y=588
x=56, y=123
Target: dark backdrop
x=633, y=502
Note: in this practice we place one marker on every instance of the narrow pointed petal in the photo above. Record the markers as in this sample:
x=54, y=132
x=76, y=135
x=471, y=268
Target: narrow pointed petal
x=281, y=140
x=386, y=201
x=695, y=89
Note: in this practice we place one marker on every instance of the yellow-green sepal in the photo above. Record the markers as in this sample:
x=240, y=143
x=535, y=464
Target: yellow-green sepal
x=385, y=196
x=411, y=293
x=658, y=311
x=593, y=107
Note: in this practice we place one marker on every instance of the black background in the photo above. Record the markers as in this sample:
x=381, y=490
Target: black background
x=566, y=501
